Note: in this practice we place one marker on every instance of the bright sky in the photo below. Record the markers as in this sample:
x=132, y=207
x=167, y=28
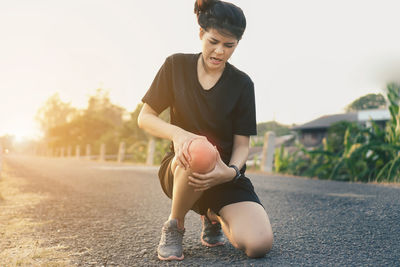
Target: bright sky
x=307, y=58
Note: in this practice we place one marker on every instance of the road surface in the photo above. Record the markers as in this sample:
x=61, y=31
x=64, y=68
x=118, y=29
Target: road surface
x=105, y=214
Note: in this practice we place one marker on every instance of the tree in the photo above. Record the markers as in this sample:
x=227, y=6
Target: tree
x=99, y=123
x=130, y=132
x=53, y=113
x=369, y=101
x=278, y=128
x=136, y=139
x=100, y=106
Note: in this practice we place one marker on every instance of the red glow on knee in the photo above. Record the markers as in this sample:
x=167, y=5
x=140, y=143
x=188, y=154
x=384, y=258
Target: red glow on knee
x=203, y=156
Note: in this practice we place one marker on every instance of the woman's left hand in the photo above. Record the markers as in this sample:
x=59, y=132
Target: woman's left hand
x=220, y=174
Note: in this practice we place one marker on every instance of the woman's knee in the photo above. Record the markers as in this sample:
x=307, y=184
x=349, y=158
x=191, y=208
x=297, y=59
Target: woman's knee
x=258, y=248
x=255, y=244
x=250, y=229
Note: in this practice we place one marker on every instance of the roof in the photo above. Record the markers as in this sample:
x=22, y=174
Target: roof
x=327, y=120
x=374, y=114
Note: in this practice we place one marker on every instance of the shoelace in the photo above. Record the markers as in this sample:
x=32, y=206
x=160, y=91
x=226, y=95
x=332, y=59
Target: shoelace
x=172, y=235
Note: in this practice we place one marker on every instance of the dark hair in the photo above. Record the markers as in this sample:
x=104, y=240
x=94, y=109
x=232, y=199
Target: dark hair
x=222, y=16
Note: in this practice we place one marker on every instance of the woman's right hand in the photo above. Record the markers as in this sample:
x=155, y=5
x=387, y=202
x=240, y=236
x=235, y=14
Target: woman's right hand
x=182, y=140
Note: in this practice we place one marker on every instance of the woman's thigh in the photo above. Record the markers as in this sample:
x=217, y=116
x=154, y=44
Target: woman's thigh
x=249, y=225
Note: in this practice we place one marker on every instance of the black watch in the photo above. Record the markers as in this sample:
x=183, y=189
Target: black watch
x=238, y=173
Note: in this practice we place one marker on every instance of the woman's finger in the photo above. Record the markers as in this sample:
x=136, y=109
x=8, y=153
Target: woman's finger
x=199, y=181
x=219, y=160
x=185, y=150
x=195, y=185
x=179, y=158
x=201, y=189
x=182, y=159
x=183, y=156
x=201, y=175
x=200, y=186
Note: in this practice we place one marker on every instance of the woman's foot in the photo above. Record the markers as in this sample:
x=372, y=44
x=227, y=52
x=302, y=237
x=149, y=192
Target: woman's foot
x=170, y=246
x=211, y=234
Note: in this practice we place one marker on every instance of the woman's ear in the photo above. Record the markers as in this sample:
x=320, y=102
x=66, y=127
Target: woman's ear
x=201, y=33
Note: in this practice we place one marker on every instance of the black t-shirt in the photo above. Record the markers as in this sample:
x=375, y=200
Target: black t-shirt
x=227, y=109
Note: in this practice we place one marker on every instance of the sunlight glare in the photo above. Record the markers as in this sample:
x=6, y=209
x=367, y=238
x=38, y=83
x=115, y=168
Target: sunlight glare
x=22, y=135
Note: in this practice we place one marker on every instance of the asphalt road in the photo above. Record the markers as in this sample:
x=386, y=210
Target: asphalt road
x=111, y=215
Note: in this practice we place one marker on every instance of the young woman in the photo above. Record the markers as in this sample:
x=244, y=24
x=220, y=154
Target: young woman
x=210, y=99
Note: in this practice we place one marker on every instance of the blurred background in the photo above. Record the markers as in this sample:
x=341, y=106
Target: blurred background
x=72, y=73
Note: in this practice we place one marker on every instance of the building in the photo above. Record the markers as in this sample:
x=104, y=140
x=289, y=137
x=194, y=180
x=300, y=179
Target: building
x=311, y=133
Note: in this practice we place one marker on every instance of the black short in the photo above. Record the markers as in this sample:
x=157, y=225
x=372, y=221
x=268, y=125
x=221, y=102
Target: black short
x=214, y=198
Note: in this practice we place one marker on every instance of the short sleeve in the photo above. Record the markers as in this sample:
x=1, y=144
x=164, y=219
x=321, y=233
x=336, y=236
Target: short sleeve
x=244, y=121
x=160, y=94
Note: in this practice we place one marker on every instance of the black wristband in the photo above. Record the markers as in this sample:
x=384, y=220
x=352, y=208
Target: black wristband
x=238, y=174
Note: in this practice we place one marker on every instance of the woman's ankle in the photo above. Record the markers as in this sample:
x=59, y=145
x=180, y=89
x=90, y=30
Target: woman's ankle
x=180, y=221
x=211, y=216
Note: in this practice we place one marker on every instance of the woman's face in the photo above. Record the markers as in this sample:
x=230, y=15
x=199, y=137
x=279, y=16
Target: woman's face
x=217, y=48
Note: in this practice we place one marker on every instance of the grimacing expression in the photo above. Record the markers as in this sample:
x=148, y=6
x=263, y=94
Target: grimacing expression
x=217, y=48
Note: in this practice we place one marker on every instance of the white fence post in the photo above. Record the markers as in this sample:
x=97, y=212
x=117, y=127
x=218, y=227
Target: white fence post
x=78, y=152
x=69, y=151
x=62, y=152
x=102, y=152
x=151, y=147
x=268, y=152
x=1, y=159
x=88, y=151
x=121, y=152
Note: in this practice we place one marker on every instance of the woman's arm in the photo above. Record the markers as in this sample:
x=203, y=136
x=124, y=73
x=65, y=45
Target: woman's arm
x=240, y=151
x=148, y=120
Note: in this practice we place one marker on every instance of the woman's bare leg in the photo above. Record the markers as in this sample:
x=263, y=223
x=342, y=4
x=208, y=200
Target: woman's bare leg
x=247, y=226
x=183, y=194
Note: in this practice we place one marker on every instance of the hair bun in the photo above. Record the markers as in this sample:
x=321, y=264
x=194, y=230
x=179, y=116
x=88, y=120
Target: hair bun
x=203, y=5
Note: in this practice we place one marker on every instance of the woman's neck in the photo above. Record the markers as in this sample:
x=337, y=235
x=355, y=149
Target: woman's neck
x=206, y=70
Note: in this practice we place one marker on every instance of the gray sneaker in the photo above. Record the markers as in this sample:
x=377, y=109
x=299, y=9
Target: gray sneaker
x=170, y=246
x=211, y=235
